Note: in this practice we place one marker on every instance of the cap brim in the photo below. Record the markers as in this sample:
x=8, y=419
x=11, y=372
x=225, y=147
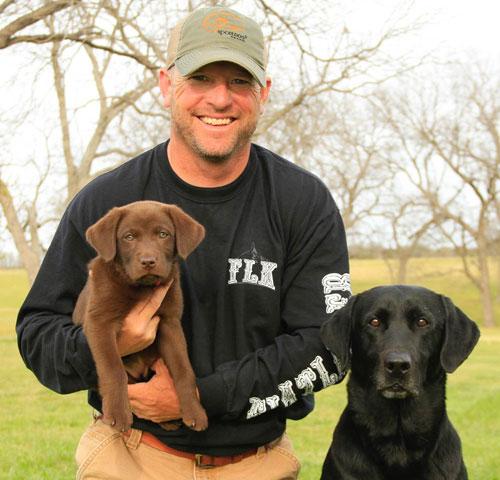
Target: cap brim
x=192, y=61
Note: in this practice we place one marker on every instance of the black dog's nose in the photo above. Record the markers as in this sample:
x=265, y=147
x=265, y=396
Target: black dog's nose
x=397, y=363
x=148, y=262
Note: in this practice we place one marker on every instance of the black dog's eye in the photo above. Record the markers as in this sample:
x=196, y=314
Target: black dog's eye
x=163, y=234
x=375, y=322
x=129, y=237
x=422, y=322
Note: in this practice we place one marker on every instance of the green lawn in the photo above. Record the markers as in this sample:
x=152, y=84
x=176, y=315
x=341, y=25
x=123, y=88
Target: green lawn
x=39, y=429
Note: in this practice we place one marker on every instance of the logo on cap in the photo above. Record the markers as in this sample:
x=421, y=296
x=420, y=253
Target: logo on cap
x=227, y=21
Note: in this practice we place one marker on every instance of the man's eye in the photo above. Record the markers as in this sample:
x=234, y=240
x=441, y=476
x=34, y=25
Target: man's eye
x=199, y=78
x=242, y=81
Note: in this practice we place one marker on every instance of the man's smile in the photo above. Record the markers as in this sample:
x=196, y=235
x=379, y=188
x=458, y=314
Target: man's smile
x=217, y=121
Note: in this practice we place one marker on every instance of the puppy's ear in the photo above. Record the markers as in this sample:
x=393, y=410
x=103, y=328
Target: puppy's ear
x=336, y=332
x=188, y=232
x=102, y=235
x=460, y=336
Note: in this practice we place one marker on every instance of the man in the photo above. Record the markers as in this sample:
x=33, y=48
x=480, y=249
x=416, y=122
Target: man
x=271, y=269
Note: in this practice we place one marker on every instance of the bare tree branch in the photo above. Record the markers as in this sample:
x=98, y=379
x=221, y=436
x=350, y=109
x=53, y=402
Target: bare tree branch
x=7, y=33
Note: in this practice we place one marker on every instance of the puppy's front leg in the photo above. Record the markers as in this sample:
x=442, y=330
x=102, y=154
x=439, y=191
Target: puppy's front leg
x=173, y=350
x=112, y=378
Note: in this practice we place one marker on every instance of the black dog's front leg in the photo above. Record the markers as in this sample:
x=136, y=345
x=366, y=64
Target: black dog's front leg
x=446, y=462
x=346, y=458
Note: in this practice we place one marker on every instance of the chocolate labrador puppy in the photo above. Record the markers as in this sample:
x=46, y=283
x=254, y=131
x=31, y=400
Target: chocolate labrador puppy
x=138, y=247
x=404, y=340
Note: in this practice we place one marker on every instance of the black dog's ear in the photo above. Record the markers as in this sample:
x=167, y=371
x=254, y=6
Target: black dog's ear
x=102, y=235
x=336, y=333
x=188, y=232
x=460, y=337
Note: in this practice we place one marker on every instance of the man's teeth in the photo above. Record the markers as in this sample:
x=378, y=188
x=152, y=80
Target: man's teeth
x=216, y=121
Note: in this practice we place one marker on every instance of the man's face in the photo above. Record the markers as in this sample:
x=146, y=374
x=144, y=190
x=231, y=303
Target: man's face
x=214, y=111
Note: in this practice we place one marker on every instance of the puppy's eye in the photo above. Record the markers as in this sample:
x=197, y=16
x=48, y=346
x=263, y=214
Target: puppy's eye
x=375, y=322
x=163, y=234
x=422, y=322
x=129, y=237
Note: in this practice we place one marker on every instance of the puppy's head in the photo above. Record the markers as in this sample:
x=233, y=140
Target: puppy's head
x=144, y=239
x=401, y=337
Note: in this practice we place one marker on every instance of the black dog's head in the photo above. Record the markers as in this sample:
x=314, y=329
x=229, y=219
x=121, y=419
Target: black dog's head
x=144, y=238
x=400, y=336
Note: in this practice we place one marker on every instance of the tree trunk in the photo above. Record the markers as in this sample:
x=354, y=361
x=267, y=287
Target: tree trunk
x=486, y=295
x=497, y=295
x=402, y=268
x=29, y=258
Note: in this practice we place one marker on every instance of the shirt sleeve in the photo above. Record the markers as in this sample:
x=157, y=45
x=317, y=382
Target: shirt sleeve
x=50, y=344
x=315, y=283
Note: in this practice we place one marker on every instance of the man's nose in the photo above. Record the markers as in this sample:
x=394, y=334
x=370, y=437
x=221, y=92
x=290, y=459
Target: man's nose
x=220, y=96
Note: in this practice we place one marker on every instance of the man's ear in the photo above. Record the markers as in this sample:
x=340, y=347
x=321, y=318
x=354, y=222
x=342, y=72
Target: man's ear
x=102, y=235
x=336, y=333
x=460, y=336
x=264, y=93
x=188, y=232
x=165, y=82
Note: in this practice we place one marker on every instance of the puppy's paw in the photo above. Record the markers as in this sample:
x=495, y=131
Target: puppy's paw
x=118, y=416
x=171, y=425
x=196, y=419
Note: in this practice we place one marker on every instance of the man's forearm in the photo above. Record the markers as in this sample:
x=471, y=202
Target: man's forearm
x=56, y=351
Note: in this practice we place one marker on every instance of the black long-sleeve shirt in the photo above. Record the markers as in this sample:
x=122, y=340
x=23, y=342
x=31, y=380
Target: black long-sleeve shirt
x=272, y=268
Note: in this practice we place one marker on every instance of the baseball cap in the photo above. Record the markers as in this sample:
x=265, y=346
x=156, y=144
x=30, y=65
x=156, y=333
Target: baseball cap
x=217, y=34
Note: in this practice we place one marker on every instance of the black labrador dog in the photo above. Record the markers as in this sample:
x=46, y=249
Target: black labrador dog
x=403, y=341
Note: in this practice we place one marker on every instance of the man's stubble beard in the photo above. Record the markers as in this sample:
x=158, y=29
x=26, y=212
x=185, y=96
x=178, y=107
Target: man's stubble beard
x=243, y=138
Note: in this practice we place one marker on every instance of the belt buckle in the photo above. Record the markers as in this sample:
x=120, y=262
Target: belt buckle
x=198, y=458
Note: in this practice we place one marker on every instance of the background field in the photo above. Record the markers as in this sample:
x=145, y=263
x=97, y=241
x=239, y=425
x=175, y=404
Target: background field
x=39, y=429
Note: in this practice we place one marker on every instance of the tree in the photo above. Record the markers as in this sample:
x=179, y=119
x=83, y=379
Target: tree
x=450, y=151
x=103, y=58
x=409, y=223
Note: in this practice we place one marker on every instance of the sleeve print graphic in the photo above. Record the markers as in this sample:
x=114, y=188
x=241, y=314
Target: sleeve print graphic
x=302, y=384
x=334, y=284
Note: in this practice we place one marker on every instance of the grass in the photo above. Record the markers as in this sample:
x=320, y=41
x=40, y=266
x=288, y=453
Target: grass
x=39, y=430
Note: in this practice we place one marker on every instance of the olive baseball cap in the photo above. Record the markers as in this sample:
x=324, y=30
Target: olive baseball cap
x=217, y=34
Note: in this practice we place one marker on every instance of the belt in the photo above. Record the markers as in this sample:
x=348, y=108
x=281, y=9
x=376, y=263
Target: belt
x=200, y=460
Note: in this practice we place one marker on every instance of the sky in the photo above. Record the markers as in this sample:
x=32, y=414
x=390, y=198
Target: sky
x=454, y=25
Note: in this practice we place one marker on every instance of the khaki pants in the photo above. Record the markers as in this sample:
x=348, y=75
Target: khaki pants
x=103, y=453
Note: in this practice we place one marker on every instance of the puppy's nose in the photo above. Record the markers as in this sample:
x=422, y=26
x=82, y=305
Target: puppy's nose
x=397, y=363
x=148, y=262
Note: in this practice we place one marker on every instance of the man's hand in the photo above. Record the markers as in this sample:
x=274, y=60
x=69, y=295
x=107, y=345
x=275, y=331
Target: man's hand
x=139, y=327
x=155, y=400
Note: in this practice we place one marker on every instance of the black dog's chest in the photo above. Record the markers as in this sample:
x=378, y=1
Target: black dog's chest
x=395, y=440
x=401, y=453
